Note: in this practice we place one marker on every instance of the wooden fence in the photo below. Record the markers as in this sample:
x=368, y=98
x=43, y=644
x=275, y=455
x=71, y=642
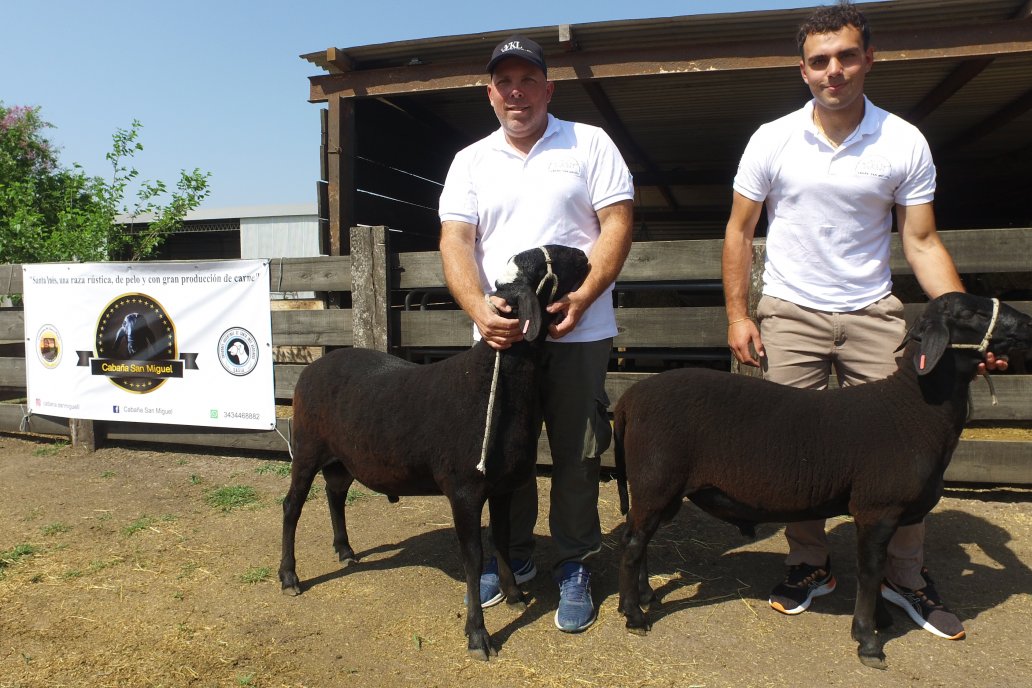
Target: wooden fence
x=670, y=313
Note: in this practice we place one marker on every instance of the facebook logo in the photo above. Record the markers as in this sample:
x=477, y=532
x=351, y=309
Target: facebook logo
x=114, y=409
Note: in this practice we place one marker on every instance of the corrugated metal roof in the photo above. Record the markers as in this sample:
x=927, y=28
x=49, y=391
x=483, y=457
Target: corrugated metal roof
x=736, y=71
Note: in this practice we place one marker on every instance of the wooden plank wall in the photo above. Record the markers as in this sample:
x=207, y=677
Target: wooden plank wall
x=669, y=333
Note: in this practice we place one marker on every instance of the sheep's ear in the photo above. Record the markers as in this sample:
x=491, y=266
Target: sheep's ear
x=934, y=340
x=528, y=310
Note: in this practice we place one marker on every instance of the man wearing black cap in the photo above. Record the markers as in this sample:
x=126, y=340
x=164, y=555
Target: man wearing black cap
x=540, y=180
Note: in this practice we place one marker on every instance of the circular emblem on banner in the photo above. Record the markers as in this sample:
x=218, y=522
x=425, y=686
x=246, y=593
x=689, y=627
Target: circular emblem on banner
x=49, y=346
x=238, y=351
x=132, y=331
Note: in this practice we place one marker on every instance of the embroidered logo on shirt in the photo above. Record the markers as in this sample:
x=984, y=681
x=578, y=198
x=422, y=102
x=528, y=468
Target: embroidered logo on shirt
x=567, y=165
x=874, y=166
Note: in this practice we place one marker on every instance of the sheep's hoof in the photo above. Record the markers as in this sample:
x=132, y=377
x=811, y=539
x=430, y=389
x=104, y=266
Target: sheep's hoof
x=519, y=605
x=291, y=590
x=347, y=560
x=876, y=662
x=637, y=628
x=480, y=647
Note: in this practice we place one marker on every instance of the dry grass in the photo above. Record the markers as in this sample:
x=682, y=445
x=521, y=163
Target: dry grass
x=147, y=584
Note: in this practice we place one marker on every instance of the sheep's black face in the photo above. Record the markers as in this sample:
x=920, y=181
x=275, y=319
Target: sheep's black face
x=965, y=321
x=536, y=278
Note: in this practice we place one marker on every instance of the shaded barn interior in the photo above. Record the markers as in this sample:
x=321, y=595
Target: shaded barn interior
x=680, y=96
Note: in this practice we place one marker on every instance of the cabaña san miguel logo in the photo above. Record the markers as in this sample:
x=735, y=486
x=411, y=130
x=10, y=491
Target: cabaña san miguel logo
x=136, y=345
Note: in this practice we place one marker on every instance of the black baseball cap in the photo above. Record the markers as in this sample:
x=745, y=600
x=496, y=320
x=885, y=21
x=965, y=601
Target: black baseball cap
x=521, y=47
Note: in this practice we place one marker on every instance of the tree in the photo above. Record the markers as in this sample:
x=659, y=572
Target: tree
x=51, y=213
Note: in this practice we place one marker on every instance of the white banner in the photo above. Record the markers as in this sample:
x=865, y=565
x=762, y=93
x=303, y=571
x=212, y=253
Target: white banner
x=182, y=343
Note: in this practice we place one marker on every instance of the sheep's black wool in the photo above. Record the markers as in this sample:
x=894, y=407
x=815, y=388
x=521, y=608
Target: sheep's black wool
x=406, y=429
x=876, y=451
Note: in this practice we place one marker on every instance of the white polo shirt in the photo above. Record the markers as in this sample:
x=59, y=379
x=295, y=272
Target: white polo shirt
x=830, y=210
x=549, y=197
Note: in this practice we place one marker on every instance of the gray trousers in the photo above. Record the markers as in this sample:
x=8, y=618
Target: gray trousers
x=803, y=347
x=575, y=406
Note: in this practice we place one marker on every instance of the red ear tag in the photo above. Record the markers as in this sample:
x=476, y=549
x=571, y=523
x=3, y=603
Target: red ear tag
x=922, y=364
x=526, y=326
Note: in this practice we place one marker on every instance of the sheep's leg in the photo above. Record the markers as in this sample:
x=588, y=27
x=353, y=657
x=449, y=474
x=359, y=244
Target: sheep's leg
x=466, y=514
x=302, y=474
x=338, y=480
x=872, y=544
x=499, y=509
x=633, y=569
x=646, y=596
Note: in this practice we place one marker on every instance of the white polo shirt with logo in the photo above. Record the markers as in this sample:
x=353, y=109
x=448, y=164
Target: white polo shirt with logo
x=549, y=197
x=830, y=210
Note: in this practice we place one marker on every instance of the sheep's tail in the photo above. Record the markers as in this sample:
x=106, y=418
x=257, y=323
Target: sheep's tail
x=621, y=465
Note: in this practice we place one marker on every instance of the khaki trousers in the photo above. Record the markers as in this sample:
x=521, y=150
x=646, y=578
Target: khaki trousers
x=804, y=346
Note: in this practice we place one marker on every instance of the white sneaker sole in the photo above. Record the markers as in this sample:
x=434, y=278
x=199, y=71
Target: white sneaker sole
x=903, y=603
x=805, y=604
x=521, y=578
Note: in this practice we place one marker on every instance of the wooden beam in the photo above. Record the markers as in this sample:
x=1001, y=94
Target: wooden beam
x=566, y=39
x=985, y=40
x=623, y=138
x=956, y=80
x=339, y=60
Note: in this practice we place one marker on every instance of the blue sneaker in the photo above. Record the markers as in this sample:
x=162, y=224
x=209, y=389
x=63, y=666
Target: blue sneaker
x=490, y=592
x=576, y=611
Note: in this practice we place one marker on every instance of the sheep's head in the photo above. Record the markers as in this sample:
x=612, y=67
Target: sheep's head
x=537, y=277
x=972, y=323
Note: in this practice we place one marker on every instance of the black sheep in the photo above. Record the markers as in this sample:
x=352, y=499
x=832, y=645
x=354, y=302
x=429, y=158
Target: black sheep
x=876, y=451
x=406, y=429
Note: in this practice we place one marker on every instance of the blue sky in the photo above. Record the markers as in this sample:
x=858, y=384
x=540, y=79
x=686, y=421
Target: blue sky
x=219, y=85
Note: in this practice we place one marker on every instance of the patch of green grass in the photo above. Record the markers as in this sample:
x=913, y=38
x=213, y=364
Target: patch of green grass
x=186, y=570
x=355, y=494
x=196, y=479
x=142, y=523
x=55, y=529
x=101, y=564
x=107, y=474
x=232, y=497
x=71, y=574
x=280, y=469
x=256, y=574
x=246, y=680
x=50, y=449
x=15, y=554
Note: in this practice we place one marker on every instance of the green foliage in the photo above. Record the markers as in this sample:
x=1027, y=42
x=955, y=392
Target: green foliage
x=52, y=213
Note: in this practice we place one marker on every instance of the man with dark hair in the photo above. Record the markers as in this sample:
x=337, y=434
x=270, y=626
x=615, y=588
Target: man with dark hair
x=540, y=180
x=831, y=175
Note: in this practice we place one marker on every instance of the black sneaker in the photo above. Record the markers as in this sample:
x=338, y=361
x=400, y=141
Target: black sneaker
x=801, y=585
x=925, y=607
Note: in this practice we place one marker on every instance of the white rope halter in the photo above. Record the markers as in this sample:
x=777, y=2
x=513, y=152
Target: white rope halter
x=983, y=346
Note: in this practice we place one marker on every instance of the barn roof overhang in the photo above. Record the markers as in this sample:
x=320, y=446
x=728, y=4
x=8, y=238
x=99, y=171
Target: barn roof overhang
x=681, y=95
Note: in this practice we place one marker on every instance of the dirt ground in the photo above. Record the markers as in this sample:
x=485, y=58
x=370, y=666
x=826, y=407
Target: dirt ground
x=132, y=567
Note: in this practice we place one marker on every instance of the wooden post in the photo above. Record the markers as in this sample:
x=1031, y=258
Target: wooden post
x=755, y=292
x=340, y=155
x=340, y=174
x=370, y=287
x=83, y=433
